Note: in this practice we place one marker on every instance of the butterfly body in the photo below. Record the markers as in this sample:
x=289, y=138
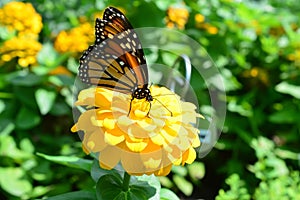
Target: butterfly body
x=142, y=93
x=116, y=61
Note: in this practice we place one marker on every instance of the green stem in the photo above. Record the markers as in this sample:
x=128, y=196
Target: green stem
x=126, y=181
x=5, y=95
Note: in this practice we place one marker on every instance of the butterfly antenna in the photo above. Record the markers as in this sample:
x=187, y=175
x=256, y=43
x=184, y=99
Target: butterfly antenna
x=162, y=95
x=149, y=108
x=163, y=106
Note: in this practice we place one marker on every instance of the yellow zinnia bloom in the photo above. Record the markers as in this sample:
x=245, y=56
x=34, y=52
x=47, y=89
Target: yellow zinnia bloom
x=177, y=17
x=148, y=140
x=21, y=17
x=75, y=40
x=25, y=49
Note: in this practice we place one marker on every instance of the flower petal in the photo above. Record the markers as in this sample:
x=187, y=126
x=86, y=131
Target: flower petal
x=109, y=157
x=114, y=137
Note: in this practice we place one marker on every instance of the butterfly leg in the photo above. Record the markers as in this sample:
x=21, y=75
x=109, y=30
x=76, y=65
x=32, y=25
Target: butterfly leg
x=149, y=108
x=130, y=106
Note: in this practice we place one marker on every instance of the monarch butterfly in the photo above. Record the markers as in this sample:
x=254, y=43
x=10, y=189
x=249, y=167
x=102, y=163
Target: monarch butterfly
x=116, y=61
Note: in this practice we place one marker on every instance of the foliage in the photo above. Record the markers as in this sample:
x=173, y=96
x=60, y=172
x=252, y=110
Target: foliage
x=256, y=47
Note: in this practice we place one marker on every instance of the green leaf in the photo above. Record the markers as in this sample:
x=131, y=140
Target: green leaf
x=7, y=126
x=39, y=191
x=2, y=105
x=79, y=195
x=45, y=100
x=140, y=191
x=287, y=88
x=27, y=119
x=97, y=171
x=69, y=161
x=26, y=96
x=110, y=186
x=41, y=70
x=26, y=146
x=196, y=170
x=288, y=115
x=165, y=181
x=8, y=148
x=180, y=170
x=60, y=108
x=183, y=185
x=47, y=55
x=152, y=181
x=244, y=108
x=12, y=180
x=166, y=194
x=6, y=34
x=72, y=65
x=25, y=79
x=237, y=189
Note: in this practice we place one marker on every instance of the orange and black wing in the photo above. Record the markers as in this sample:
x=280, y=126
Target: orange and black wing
x=116, y=61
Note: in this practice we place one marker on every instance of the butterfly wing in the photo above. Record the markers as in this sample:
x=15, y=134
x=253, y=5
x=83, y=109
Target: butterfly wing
x=116, y=60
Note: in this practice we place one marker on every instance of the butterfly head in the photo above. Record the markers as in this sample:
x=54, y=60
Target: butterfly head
x=142, y=93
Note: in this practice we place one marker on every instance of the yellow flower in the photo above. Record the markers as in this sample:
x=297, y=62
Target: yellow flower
x=295, y=56
x=21, y=17
x=200, y=23
x=75, y=40
x=199, y=18
x=212, y=29
x=144, y=141
x=24, y=49
x=177, y=17
x=257, y=76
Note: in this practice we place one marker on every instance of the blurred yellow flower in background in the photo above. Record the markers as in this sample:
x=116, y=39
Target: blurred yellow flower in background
x=177, y=17
x=25, y=49
x=199, y=18
x=295, y=56
x=21, y=17
x=201, y=24
x=210, y=28
x=143, y=141
x=75, y=40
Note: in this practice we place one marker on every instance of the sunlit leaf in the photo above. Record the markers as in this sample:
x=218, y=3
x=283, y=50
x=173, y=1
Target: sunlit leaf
x=79, y=195
x=166, y=194
x=69, y=161
x=196, y=170
x=16, y=184
x=184, y=186
x=45, y=100
x=286, y=88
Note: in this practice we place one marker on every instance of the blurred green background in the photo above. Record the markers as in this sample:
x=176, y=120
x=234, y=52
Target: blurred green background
x=255, y=45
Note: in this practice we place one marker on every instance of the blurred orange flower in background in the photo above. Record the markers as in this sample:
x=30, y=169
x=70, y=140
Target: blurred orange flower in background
x=177, y=17
x=75, y=40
